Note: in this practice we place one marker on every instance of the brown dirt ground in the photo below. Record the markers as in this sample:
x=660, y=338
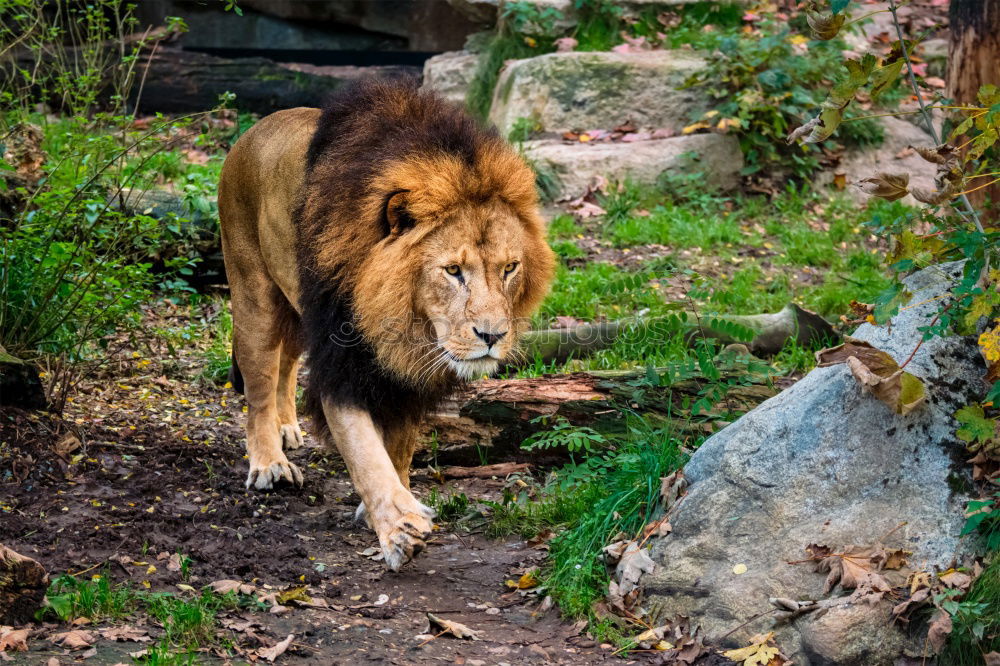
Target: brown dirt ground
x=159, y=469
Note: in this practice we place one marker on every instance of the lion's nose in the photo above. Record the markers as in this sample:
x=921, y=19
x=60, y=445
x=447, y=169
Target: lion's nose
x=489, y=338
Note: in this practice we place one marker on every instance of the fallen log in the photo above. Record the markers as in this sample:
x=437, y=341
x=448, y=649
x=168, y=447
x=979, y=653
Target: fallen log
x=499, y=470
x=770, y=332
x=492, y=417
x=23, y=583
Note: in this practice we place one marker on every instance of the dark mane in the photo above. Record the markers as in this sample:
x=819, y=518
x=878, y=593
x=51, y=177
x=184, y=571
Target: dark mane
x=364, y=128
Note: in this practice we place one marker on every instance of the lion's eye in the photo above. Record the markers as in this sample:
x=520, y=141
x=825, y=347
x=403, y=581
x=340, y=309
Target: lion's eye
x=454, y=269
x=509, y=268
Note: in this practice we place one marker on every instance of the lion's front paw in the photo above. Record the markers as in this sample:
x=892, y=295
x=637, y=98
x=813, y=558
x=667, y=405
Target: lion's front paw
x=265, y=472
x=403, y=525
x=291, y=436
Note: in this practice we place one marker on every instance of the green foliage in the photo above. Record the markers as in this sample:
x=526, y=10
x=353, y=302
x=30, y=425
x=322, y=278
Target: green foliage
x=574, y=439
x=448, y=508
x=76, y=259
x=218, y=353
x=975, y=620
x=764, y=83
x=523, y=129
x=621, y=491
x=189, y=622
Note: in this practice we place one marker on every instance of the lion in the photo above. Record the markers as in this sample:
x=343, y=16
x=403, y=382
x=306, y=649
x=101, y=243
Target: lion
x=397, y=242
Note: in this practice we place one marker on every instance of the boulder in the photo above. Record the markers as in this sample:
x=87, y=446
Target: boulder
x=823, y=462
x=561, y=92
x=450, y=73
x=573, y=166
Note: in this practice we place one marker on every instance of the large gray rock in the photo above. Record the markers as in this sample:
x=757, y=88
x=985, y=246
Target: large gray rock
x=574, y=166
x=581, y=91
x=450, y=73
x=824, y=463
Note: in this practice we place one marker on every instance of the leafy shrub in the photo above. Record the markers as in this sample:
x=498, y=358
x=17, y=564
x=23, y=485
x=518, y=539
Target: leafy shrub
x=75, y=260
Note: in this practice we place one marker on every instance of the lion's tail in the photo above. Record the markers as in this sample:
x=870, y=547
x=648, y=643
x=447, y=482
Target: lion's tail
x=235, y=376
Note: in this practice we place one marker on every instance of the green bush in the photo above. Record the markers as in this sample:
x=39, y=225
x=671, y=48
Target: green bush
x=76, y=260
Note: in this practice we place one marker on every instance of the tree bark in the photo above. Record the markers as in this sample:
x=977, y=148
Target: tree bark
x=492, y=417
x=23, y=583
x=974, y=61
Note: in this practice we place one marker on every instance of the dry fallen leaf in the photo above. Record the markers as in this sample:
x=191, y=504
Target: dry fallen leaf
x=67, y=445
x=456, y=629
x=174, y=562
x=125, y=633
x=878, y=373
x=13, y=640
x=565, y=44
x=939, y=629
x=672, y=488
x=277, y=650
x=74, y=640
x=633, y=561
x=860, y=568
x=224, y=586
x=762, y=651
x=956, y=579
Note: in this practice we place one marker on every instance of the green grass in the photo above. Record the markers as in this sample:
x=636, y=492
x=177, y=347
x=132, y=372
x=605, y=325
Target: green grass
x=189, y=621
x=218, y=353
x=976, y=625
x=615, y=489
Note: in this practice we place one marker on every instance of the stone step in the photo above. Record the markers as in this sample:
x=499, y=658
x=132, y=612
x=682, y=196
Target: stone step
x=573, y=166
x=450, y=74
x=561, y=92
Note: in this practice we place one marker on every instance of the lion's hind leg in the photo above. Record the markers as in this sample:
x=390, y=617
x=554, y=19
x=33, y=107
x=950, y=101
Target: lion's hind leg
x=288, y=369
x=259, y=318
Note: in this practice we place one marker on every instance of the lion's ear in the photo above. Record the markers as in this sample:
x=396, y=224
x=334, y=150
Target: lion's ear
x=397, y=217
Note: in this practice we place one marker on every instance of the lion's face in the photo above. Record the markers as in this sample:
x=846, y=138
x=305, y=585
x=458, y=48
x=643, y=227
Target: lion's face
x=448, y=291
x=473, y=274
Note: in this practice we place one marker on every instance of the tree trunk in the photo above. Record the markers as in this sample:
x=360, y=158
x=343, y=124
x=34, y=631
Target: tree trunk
x=491, y=417
x=974, y=61
x=23, y=583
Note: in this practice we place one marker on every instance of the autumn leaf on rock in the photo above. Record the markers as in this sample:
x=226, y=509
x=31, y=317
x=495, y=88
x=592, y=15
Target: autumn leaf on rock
x=878, y=373
x=859, y=568
x=672, y=489
x=762, y=651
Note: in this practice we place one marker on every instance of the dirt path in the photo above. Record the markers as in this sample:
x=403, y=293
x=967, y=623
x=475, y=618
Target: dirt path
x=152, y=473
